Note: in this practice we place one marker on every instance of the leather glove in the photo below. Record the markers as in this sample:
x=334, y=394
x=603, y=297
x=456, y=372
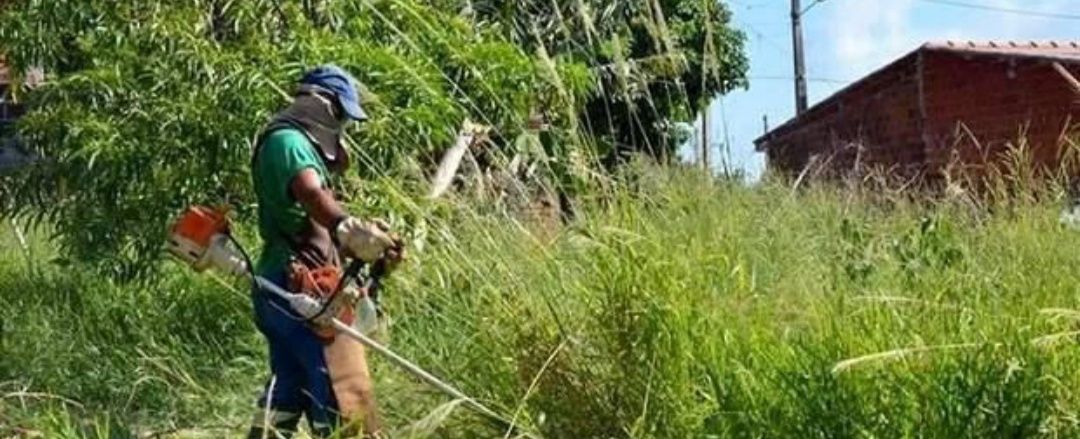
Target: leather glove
x=366, y=241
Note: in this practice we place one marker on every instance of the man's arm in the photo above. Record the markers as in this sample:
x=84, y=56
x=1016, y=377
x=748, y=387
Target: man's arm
x=307, y=189
x=366, y=241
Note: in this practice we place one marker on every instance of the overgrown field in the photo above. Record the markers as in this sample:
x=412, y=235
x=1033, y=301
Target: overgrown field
x=695, y=310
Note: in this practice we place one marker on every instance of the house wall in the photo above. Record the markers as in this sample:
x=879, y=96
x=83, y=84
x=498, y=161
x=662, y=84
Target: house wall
x=874, y=123
x=978, y=106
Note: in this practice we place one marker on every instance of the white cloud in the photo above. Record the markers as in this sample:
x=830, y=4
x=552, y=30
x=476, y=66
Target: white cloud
x=868, y=33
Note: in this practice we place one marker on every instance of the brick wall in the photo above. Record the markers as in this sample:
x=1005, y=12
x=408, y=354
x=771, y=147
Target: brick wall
x=977, y=107
x=873, y=123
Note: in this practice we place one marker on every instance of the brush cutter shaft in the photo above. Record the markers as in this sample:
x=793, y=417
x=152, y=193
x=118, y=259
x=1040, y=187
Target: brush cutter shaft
x=393, y=357
x=417, y=371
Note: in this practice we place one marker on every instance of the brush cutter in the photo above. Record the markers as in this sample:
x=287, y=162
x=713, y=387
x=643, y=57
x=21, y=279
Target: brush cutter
x=201, y=238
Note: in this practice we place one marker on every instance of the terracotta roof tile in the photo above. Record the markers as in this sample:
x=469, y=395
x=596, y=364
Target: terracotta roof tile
x=1068, y=51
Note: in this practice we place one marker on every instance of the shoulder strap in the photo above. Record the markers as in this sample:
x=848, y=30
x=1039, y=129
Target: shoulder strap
x=274, y=126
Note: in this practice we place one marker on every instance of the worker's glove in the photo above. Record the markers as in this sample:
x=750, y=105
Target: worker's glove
x=366, y=241
x=305, y=305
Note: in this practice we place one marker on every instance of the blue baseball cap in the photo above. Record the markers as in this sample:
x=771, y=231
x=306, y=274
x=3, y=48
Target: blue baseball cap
x=339, y=82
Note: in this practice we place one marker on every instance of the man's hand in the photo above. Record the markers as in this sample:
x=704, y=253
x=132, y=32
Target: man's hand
x=366, y=241
x=394, y=256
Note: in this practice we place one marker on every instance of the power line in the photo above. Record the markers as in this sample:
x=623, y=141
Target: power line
x=811, y=5
x=762, y=37
x=789, y=78
x=1005, y=10
x=766, y=24
x=749, y=6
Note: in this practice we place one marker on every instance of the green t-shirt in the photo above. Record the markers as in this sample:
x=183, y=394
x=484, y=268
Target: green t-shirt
x=283, y=154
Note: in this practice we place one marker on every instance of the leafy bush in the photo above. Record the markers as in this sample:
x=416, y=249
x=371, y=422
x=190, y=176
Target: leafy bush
x=151, y=106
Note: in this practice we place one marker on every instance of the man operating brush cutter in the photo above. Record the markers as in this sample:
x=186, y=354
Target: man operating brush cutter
x=314, y=372
x=314, y=315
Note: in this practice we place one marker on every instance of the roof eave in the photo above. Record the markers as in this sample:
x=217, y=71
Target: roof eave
x=1044, y=57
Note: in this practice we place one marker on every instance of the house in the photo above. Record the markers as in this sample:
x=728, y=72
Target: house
x=950, y=105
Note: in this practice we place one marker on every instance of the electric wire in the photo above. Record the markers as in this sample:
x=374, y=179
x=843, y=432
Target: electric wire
x=1014, y=11
x=789, y=78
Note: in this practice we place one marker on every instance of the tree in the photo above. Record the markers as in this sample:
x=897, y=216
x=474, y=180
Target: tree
x=151, y=105
x=658, y=61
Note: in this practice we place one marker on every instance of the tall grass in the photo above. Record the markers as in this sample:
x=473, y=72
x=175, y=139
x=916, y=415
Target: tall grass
x=687, y=308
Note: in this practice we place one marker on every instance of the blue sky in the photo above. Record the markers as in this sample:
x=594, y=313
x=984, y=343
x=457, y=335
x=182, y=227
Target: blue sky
x=845, y=40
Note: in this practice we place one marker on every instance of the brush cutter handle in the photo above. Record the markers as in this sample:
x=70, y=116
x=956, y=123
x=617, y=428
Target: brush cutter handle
x=372, y=283
x=351, y=272
x=379, y=268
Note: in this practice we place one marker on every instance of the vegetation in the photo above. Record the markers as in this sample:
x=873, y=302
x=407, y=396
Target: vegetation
x=652, y=59
x=690, y=309
x=152, y=105
x=673, y=306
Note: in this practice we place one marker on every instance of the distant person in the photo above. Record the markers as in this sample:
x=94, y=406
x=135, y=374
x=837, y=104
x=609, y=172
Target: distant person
x=302, y=227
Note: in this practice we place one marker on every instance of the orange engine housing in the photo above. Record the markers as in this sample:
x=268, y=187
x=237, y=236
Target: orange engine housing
x=200, y=223
x=322, y=283
x=194, y=232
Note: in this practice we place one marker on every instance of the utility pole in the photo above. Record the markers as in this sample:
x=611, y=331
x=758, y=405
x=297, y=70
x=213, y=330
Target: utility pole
x=800, y=61
x=705, y=137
